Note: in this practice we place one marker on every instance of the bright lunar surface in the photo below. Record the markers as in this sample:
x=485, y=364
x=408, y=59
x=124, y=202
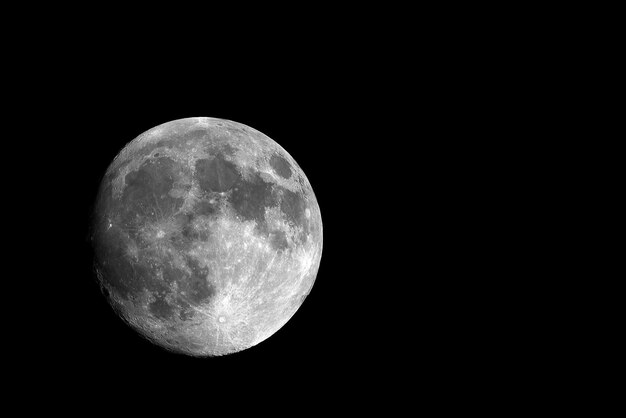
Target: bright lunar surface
x=207, y=236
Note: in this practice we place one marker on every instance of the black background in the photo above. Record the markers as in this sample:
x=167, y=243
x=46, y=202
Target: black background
x=334, y=127
x=416, y=131
x=396, y=156
x=345, y=107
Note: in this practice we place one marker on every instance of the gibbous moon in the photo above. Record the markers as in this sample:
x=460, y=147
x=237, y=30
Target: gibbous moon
x=207, y=236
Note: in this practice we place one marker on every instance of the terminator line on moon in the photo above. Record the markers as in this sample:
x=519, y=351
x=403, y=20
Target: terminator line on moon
x=207, y=236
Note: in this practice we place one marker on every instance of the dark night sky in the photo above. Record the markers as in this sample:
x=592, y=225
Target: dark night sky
x=348, y=120
x=325, y=123
x=414, y=135
x=376, y=152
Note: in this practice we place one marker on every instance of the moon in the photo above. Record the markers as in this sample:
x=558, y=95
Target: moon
x=207, y=236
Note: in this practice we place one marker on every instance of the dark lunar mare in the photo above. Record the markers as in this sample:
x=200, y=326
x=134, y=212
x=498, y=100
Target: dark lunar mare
x=216, y=174
x=251, y=196
x=146, y=200
x=248, y=197
x=280, y=166
x=146, y=195
x=293, y=205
